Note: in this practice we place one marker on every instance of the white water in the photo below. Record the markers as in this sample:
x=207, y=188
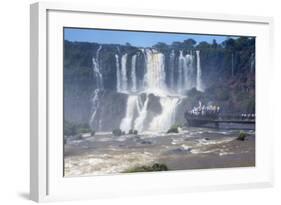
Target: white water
x=95, y=105
x=124, y=79
x=167, y=117
x=154, y=78
x=99, y=86
x=118, y=74
x=171, y=69
x=126, y=123
x=252, y=62
x=133, y=74
x=180, y=72
x=185, y=71
x=139, y=122
x=199, y=85
x=154, y=81
x=96, y=69
x=189, y=71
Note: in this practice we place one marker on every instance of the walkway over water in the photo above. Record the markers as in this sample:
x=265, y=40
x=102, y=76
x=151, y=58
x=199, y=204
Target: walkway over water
x=198, y=120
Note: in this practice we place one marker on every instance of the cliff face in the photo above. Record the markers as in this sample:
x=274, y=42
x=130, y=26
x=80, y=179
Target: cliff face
x=98, y=79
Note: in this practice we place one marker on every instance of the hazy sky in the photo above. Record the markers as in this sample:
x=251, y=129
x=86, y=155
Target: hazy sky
x=135, y=38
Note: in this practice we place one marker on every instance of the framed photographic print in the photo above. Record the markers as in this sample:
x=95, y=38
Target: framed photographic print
x=127, y=102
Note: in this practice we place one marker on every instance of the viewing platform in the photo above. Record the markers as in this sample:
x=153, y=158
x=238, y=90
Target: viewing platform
x=216, y=119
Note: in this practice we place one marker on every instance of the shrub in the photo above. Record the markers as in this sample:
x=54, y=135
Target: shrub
x=117, y=132
x=84, y=130
x=174, y=129
x=159, y=167
x=223, y=94
x=135, y=132
x=155, y=167
x=242, y=136
x=69, y=128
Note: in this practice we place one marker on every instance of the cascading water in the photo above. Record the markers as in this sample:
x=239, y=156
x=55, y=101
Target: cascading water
x=96, y=69
x=139, y=122
x=164, y=120
x=171, y=69
x=199, y=85
x=154, y=78
x=95, y=105
x=154, y=81
x=133, y=73
x=185, y=71
x=127, y=121
x=181, y=69
x=252, y=62
x=118, y=74
x=99, y=86
x=124, y=79
x=189, y=72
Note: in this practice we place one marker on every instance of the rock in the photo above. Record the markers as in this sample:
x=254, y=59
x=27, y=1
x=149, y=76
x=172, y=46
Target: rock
x=242, y=136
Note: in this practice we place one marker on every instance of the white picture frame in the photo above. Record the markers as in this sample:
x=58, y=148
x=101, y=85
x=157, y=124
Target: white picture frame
x=46, y=179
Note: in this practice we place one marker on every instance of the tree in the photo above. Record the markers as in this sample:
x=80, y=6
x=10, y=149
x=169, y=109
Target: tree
x=189, y=43
x=161, y=46
x=215, y=44
x=203, y=45
x=229, y=44
x=177, y=45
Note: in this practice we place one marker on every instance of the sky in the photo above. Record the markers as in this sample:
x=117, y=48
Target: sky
x=135, y=38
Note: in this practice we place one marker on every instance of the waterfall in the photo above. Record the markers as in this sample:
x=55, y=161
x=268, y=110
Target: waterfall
x=154, y=81
x=96, y=69
x=118, y=74
x=167, y=118
x=126, y=123
x=133, y=73
x=99, y=86
x=199, y=85
x=124, y=79
x=154, y=78
x=95, y=105
x=189, y=71
x=252, y=62
x=139, y=123
x=180, y=72
x=171, y=69
x=185, y=70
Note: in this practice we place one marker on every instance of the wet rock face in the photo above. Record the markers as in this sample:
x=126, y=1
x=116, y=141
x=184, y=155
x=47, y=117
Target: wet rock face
x=182, y=108
x=111, y=110
x=153, y=108
x=154, y=105
x=77, y=102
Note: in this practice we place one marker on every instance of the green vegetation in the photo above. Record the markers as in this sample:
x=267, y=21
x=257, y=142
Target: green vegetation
x=131, y=131
x=174, y=129
x=69, y=128
x=72, y=129
x=117, y=132
x=242, y=136
x=155, y=167
x=84, y=130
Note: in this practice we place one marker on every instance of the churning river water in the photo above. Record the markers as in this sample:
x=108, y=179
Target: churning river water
x=192, y=148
